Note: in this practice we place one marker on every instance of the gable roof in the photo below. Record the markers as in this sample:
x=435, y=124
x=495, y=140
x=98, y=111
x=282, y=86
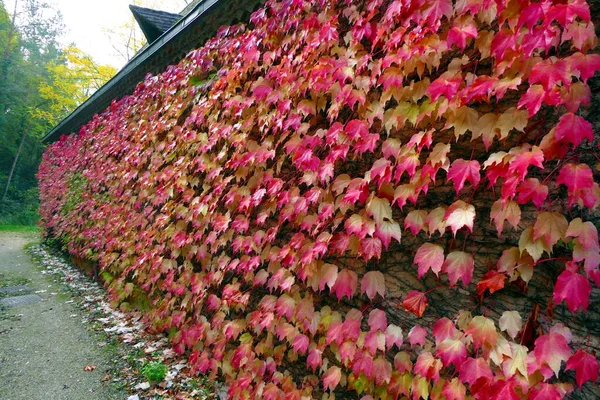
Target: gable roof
x=153, y=22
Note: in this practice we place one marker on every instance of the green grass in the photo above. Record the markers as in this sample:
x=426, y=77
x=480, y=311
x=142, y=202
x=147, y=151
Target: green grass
x=19, y=228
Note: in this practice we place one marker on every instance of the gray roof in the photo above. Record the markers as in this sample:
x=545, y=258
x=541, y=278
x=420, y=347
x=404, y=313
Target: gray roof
x=153, y=22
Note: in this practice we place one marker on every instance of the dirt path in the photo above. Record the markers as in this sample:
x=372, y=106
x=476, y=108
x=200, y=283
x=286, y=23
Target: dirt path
x=44, y=347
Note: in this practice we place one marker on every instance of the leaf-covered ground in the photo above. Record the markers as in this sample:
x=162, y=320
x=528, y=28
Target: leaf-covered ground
x=71, y=343
x=124, y=338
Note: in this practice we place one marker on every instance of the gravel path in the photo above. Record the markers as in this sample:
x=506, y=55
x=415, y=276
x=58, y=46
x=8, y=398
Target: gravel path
x=44, y=347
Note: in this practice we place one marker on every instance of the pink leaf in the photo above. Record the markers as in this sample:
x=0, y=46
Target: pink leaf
x=386, y=231
x=377, y=320
x=546, y=391
x=427, y=366
x=345, y=284
x=393, y=336
x=585, y=366
x=417, y=335
x=459, y=265
x=473, y=369
x=373, y=283
x=370, y=248
x=574, y=288
x=551, y=349
x=314, y=359
x=444, y=329
x=331, y=378
x=459, y=33
x=429, y=255
x=532, y=189
x=452, y=351
x=575, y=176
x=573, y=129
x=300, y=344
x=533, y=99
x=461, y=171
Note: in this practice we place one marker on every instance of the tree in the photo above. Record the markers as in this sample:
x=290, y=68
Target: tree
x=72, y=79
x=127, y=39
x=41, y=83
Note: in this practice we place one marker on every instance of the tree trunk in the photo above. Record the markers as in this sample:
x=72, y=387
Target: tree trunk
x=14, y=165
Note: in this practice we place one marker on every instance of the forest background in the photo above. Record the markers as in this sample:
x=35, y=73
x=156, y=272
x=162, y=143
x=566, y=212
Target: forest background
x=42, y=80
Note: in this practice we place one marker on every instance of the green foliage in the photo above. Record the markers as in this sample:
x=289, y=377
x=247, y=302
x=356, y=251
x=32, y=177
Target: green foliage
x=21, y=209
x=40, y=83
x=18, y=228
x=154, y=371
x=76, y=187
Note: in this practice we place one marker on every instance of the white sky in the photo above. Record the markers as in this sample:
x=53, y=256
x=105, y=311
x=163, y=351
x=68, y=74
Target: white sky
x=85, y=21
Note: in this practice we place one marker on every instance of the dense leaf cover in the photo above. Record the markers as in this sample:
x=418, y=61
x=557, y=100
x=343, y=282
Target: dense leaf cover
x=252, y=193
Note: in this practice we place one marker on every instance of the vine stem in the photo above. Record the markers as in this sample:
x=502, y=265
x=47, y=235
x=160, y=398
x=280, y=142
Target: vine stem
x=552, y=259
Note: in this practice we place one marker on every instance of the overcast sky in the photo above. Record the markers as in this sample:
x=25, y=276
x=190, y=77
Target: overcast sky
x=85, y=21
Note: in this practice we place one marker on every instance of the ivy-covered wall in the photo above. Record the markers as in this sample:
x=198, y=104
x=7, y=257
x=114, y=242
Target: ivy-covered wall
x=340, y=198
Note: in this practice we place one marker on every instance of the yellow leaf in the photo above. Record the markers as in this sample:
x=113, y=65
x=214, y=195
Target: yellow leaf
x=379, y=209
x=439, y=155
x=511, y=322
x=535, y=248
x=516, y=362
x=551, y=226
x=486, y=129
x=464, y=119
x=512, y=119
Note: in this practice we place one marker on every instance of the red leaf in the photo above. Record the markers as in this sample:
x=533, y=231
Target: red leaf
x=459, y=33
x=444, y=329
x=523, y=158
x=546, y=391
x=492, y=281
x=415, y=302
x=585, y=366
x=573, y=129
x=575, y=176
x=587, y=65
x=532, y=99
x=574, y=288
x=434, y=10
x=549, y=73
x=444, y=85
x=532, y=189
x=566, y=13
x=356, y=129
